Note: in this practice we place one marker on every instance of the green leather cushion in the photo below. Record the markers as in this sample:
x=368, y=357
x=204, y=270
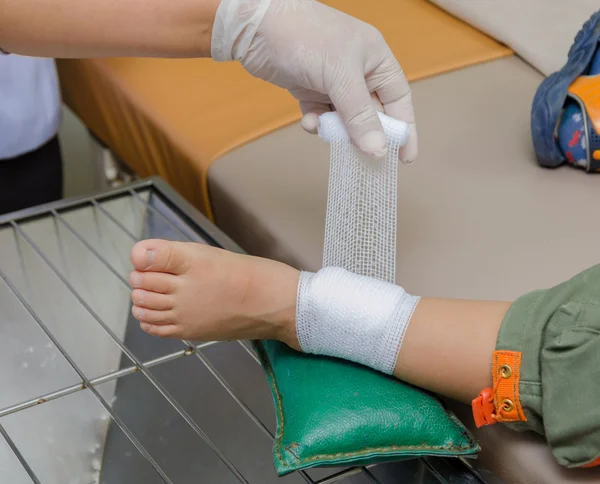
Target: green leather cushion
x=335, y=413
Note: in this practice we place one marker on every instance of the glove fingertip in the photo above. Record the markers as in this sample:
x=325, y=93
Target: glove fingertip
x=408, y=153
x=310, y=121
x=373, y=143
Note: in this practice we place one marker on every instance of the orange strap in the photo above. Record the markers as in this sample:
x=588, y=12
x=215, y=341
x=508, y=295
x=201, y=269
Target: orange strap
x=501, y=403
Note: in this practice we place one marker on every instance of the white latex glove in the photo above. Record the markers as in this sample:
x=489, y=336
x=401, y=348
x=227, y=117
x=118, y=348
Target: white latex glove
x=325, y=58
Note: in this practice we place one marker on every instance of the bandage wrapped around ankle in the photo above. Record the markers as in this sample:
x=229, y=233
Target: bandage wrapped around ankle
x=353, y=317
x=351, y=309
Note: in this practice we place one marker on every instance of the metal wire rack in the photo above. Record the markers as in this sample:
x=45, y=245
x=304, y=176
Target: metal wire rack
x=89, y=398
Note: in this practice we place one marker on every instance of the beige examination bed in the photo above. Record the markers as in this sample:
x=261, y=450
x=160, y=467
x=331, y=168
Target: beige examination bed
x=477, y=217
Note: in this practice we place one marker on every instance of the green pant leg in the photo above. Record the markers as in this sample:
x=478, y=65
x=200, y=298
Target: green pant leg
x=556, y=333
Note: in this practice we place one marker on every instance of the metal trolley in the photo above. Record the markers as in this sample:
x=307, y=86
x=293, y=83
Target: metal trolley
x=87, y=397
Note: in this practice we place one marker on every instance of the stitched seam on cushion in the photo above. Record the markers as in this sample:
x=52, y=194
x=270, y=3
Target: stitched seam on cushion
x=369, y=450
x=280, y=427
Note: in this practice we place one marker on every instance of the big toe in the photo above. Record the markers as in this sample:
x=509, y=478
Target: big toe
x=160, y=256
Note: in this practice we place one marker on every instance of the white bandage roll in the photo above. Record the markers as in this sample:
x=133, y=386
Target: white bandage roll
x=353, y=317
x=360, y=227
x=351, y=309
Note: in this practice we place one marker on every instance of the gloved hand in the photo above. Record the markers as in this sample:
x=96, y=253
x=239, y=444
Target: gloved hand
x=325, y=58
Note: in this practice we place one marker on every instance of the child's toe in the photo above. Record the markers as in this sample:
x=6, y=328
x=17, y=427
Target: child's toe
x=154, y=282
x=160, y=256
x=152, y=315
x=161, y=330
x=151, y=300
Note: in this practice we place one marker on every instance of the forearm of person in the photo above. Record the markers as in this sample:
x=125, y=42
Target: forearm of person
x=120, y=28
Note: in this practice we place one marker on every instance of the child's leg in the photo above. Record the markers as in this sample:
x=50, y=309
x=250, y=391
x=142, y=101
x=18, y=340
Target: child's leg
x=448, y=345
x=193, y=291
x=541, y=354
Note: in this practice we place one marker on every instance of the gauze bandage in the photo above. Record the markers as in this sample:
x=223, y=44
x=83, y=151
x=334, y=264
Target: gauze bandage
x=351, y=309
x=360, y=228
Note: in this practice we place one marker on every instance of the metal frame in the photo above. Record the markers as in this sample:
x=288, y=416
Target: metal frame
x=207, y=231
x=179, y=204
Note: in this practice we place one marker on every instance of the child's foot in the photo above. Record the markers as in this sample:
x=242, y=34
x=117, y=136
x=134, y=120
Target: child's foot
x=193, y=291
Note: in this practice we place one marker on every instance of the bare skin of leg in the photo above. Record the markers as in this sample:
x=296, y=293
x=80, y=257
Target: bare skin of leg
x=196, y=292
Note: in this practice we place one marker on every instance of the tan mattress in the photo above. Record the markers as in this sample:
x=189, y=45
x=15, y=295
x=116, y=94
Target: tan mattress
x=175, y=117
x=477, y=217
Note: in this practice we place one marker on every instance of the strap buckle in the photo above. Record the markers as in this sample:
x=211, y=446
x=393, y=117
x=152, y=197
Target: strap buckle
x=484, y=411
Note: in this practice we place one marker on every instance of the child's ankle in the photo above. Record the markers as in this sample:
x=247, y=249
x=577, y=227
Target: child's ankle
x=272, y=299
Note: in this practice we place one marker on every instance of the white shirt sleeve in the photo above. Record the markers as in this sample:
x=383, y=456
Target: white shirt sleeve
x=29, y=104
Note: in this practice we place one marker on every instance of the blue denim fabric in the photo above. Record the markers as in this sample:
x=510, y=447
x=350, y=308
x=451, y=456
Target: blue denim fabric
x=552, y=93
